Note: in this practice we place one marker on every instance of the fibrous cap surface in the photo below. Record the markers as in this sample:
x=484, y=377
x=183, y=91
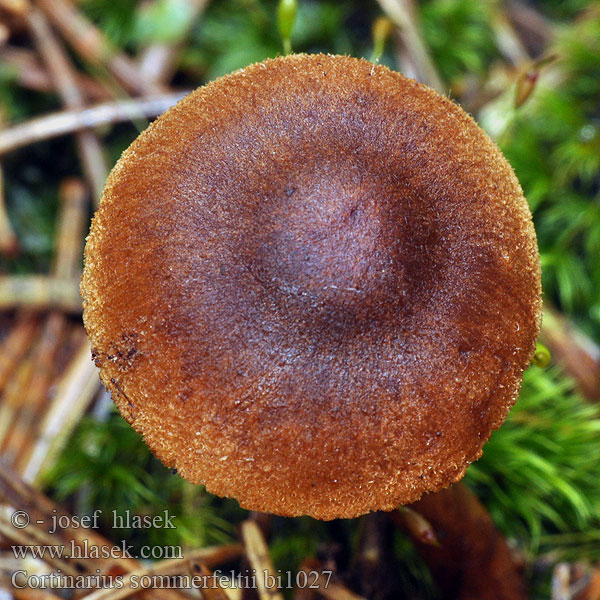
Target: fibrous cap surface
x=313, y=285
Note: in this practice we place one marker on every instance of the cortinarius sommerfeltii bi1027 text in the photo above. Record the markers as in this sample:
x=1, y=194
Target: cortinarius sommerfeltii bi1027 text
x=313, y=285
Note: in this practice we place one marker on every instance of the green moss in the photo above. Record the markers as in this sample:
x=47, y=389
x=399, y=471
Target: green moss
x=553, y=143
x=539, y=473
x=107, y=466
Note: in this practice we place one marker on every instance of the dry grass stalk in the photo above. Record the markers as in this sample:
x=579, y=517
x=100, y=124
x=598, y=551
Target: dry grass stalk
x=32, y=594
x=14, y=492
x=9, y=244
x=69, y=121
x=74, y=392
x=561, y=578
x=71, y=227
x=319, y=584
x=210, y=592
x=65, y=80
x=336, y=591
x=415, y=525
x=508, y=41
x=11, y=396
x=534, y=27
x=4, y=34
x=414, y=56
x=40, y=292
x=26, y=67
x=31, y=74
x=26, y=397
x=17, y=8
x=16, y=344
x=91, y=44
x=159, y=61
x=258, y=556
x=25, y=401
x=577, y=353
x=372, y=563
x=34, y=535
x=211, y=556
x=28, y=402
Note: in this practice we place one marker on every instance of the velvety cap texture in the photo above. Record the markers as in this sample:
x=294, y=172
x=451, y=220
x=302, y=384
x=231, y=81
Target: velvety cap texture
x=313, y=285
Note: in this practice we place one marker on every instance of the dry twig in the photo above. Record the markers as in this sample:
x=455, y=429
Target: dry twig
x=213, y=591
x=318, y=582
x=8, y=240
x=91, y=44
x=74, y=392
x=577, y=353
x=40, y=292
x=211, y=556
x=31, y=74
x=72, y=221
x=65, y=81
x=14, y=492
x=158, y=61
x=25, y=401
x=16, y=344
x=69, y=121
x=258, y=556
x=415, y=58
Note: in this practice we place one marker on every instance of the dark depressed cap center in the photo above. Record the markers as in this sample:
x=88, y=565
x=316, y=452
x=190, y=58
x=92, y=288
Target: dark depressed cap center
x=313, y=285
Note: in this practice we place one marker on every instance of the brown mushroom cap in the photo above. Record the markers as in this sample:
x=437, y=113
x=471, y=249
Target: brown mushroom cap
x=313, y=285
